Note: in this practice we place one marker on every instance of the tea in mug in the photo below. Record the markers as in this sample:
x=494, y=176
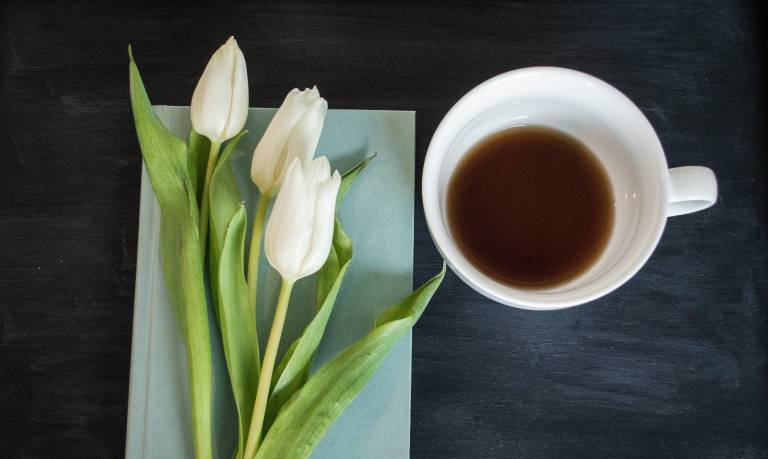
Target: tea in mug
x=531, y=207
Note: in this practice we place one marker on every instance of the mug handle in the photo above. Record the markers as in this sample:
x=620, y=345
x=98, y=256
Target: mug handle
x=691, y=188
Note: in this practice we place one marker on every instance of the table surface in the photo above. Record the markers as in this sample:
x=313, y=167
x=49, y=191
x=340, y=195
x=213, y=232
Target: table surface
x=671, y=364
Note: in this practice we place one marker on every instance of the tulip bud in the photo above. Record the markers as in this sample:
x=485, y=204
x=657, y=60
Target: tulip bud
x=300, y=229
x=220, y=101
x=293, y=133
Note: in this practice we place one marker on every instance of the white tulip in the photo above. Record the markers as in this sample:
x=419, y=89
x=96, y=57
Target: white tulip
x=293, y=133
x=220, y=101
x=300, y=229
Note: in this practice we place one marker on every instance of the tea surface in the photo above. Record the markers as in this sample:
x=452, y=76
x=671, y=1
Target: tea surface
x=531, y=206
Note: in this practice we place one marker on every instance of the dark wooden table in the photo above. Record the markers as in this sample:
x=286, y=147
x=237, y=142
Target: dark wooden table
x=672, y=364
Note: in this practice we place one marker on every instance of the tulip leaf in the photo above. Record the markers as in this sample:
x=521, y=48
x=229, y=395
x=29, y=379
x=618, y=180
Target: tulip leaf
x=197, y=161
x=224, y=194
x=237, y=324
x=165, y=157
x=327, y=275
x=305, y=418
x=293, y=371
x=236, y=316
x=283, y=363
x=225, y=201
x=349, y=177
x=340, y=255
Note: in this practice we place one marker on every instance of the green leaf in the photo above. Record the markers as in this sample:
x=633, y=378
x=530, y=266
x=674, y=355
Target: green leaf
x=350, y=176
x=237, y=319
x=327, y=275
x=224, y=196
x=197, y=161
x=238, y=324
x=283, y=363
x=306, y=417
x=166, y=159
x=225, y=201
x=340, y=255
x=293, y=370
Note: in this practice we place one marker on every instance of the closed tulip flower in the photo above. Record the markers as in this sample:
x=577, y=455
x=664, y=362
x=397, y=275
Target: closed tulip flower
x=297, y=243
x=300, y=229
x=220, y=100
x=293, y=133
x=219, y=110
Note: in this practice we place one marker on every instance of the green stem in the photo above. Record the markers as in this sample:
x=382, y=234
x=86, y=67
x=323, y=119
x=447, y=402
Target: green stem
x=255, y=250
x=213, y=157
x=200, y=389
x=198, y=344
x=265, y=378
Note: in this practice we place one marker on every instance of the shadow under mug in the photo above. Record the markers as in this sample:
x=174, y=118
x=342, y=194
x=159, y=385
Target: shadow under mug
x=645, y=191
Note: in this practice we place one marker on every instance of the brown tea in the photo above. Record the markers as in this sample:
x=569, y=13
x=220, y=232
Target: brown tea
x=531, y=206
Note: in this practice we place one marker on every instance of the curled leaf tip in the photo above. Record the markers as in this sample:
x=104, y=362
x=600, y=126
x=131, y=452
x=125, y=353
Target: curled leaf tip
x=130, y=52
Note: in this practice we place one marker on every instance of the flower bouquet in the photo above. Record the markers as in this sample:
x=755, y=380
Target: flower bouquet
x=283, y=409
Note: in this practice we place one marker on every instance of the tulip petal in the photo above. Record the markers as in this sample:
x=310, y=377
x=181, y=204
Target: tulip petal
x=288, y=235
x=316, y=172
x=322, y=225
x=238, y=110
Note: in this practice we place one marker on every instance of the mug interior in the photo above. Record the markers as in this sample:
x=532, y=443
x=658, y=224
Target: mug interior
x=600, y=117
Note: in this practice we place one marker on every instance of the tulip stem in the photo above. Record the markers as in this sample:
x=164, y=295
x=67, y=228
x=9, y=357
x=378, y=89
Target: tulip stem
x=213, y=157
x=267, y=367
x=254, y=254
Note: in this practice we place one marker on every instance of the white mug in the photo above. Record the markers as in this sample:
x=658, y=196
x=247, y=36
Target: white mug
x=645, y=191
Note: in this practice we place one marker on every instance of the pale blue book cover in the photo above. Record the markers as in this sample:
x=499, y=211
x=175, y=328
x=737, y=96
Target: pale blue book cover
x=378, y=216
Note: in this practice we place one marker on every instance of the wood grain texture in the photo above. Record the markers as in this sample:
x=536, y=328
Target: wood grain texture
x=672, y=364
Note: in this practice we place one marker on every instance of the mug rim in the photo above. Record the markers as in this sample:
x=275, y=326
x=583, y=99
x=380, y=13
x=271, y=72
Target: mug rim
x=464, y=269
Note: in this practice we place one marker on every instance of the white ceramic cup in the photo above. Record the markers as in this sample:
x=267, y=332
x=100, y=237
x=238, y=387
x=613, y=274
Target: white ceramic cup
x=645, y=191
